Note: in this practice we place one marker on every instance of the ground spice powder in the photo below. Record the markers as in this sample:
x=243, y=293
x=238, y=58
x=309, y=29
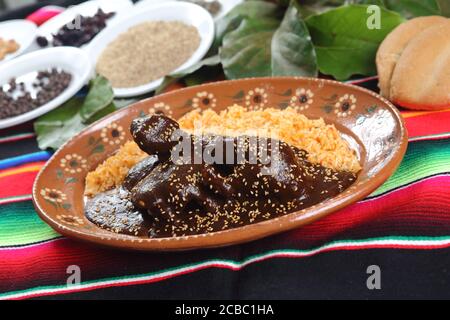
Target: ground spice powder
x=147, y=52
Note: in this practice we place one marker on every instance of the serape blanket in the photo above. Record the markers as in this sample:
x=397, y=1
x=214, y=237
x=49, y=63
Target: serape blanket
x=404, y=228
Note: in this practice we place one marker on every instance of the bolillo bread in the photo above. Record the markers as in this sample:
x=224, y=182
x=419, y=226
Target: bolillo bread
x=392, y=48
x=421, y=77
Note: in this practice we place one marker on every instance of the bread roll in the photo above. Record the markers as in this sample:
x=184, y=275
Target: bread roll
x=421, y=78
x=394, y=44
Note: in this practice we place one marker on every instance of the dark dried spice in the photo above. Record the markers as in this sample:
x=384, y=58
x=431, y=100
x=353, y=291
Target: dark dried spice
x=79, y=31
x=17, y=99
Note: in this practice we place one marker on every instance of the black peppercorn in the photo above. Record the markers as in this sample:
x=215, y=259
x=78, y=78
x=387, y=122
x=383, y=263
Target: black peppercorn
x=18, y=99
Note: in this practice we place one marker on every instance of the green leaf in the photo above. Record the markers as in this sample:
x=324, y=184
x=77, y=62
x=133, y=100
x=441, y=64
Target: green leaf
x=246, y=52
x=53, y=136
x=380, y=3
x=414, y=8
x=58, y=126
x=345, y=46
x=313, y=7
x=444, y=7
x=102, y=113
x=248, y=9
x=293, y=53
x=100, y=96
x=410, y=8
x=264, y=47
x=61, y=124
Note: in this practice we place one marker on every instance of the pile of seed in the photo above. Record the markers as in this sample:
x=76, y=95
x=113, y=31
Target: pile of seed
x=17, y=98
x=147, y=52
x=79, y=31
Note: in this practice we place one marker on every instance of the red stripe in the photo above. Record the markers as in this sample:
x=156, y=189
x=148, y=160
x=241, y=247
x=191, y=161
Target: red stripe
x=428, y=124
x=46, y=264
x=17, y=184
x=424, y=205
x=419, y=205
x=132, y=282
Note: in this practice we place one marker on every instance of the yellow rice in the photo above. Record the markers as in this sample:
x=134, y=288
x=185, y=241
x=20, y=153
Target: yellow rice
x=113, y=171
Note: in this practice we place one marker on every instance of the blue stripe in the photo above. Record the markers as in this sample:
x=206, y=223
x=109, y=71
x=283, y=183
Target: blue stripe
x=27, y=158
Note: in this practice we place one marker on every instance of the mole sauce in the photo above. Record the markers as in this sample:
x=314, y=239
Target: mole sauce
x=160, y=198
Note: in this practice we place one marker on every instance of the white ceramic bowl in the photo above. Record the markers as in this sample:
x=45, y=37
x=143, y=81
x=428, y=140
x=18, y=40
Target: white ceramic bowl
x=22, y=31
x=88, y=8
x=188, y=13
x=72, y=60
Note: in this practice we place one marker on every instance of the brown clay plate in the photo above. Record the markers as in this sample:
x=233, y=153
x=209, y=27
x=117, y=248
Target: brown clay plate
x=370, y=123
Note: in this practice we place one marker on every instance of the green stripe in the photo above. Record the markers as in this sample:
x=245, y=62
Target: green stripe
x=20, y=225
x=240, y=263
x=423, y=159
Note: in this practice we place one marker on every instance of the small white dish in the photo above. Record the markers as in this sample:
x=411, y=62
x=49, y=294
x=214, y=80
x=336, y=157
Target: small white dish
x=188, y=13
x=22, y=31
x=226, y=5
x=89, y=9
x=72, y=60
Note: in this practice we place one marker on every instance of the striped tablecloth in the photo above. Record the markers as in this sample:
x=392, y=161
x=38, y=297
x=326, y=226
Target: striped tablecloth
x=404, y=228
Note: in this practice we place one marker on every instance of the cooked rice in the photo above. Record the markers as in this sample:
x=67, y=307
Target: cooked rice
x=323, y=142
x=113, y=171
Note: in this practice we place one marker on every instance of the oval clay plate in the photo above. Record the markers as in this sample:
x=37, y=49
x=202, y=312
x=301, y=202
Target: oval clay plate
x=372, y=126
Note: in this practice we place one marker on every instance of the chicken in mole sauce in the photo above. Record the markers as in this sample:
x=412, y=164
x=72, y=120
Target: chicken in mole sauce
x=163, y=197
